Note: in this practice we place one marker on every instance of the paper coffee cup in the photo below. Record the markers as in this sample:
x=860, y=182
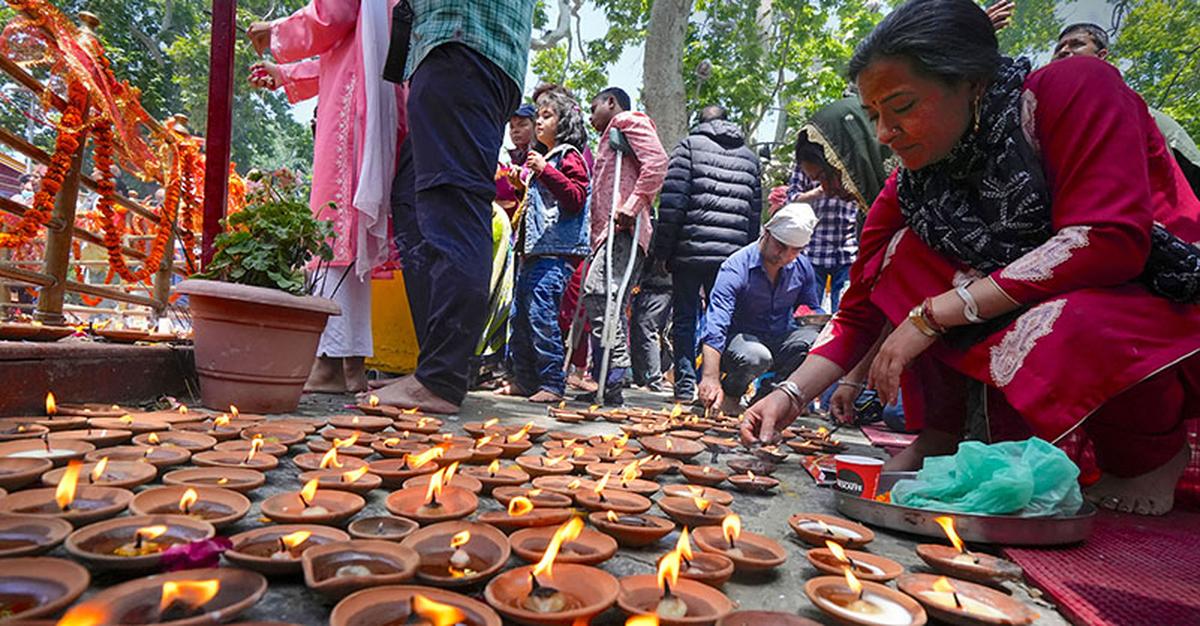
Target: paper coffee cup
x=857, y=475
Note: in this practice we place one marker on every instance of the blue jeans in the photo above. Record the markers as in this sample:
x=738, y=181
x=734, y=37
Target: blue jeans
x=838, y=276
x=686, y=287
x=536, y=344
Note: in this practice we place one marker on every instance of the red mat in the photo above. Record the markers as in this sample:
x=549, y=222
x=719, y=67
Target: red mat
x=1133, y=570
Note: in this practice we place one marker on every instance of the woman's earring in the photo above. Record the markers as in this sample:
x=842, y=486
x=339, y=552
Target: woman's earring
x=977, y=101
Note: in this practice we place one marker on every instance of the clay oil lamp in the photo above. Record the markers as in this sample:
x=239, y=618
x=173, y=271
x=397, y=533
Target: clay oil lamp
x=277, y=549
x=336, y=570
x=751, y=464
x=418, y=424
x=374, y=408
x=750, y=552
x=565, y=485
x=457, y=554
x=539, y=497
x=54, y=421
x=749, y=483
x=629, y=481
x=419, y=606
x=850, y=601
x=758, y=618
x=239, y=480
x=495, y=475
x=770, y=454
x=69, y=501
x=16, y=473
x=134, y=544
x=590, y=547
x=672, y=600
x=694, y=511
x=482, y=452
x=344, y=448
x=383, y=527
x=514, y=445
x=355, y=481
x=613, y=441
x=694, y=435
x=158, y=456
x=123, y=474
x=453, y=479
x=59, y=451
x=273, y=434
x=364, y=423
x=17, y=428
x=313, y=506
x=632, y=530
x=192, y=442
x=136, y=425
x=601, y=498
x=397, y=447
x=480, y=429
x=553, y=593
x=711, y=568
x=27, y=536
x=39, y=587
x=88, y=409
x=521, y=513
x=252, y=459
x=455, y=453
x=395, y=471
x=600, y=470
x=435, y=502
x=705, y=476
x=330, y=459
x=866, y=566
x=217, y=506
x=654, y=466
x=957, y=561
x=197, y=596
x=309, y=425
x=961, y=602
x=242, y=446
x=545, y=466
x=220, y=427
x=179, y=415
x=723, y=498
x=580, y=458
x=815, y=529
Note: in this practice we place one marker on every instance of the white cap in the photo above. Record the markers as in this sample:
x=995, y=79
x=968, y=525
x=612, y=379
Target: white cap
x=793, y=224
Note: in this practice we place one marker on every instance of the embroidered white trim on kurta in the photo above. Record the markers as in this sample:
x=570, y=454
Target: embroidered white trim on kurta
x=826, y=334
x=1008, y=356
x=343, y=199
x=962, y=279
x=891, y=248
x=1039, y=263
x=1029, y=120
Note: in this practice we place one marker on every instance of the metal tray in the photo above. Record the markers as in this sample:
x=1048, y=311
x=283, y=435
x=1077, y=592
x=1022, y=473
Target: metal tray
x=1008, y=530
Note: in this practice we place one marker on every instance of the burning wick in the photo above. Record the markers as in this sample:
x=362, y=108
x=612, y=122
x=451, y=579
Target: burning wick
x=543, y=598
x=98, y=471
x=290, y=542
x=189, y=498
x=599, y=488
x=307, y=494
x=64, y=493
x=670, y=606
x=459, y=559
x=840, y=554
x=493, y=468
x=947, y=524
x=731, y=526
x=143, y=543
x=192, y=593
x=425, y=612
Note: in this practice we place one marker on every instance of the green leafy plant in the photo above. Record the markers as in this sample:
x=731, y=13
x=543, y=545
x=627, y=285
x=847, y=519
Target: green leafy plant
x=268, y=243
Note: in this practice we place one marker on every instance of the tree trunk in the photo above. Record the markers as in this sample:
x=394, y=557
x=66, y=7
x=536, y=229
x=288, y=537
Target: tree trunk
x=662, y=70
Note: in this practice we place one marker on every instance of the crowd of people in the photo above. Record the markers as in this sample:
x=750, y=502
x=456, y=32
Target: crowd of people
x=967, y=221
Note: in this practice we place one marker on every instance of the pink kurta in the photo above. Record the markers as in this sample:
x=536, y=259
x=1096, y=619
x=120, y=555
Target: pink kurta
x=332, y=31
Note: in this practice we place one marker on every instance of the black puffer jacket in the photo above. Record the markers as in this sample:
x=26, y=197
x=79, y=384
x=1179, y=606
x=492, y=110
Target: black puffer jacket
x=712, y=199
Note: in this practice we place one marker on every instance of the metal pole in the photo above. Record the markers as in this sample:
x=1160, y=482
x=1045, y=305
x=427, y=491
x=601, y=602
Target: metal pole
x=220, y=121
x=58, y=238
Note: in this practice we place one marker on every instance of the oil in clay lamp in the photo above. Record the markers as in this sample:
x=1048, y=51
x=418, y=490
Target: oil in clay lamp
x=749, y=552
x=600, y=498
x=68, y=501
x=330, y=459
x=411, y=605
x=56, y=421
x=28, y=536
x=133, y=544
x=277, y=549
x=157, y=456
x=749, y=483
x=17, y=473
x=355, y=481
x=192, y=442
x=203, y=596
x=495, y=475
x=705, y=476
x=673, y=600
x=815, y=529
x=632, y=530
x=39, y=587
x=239, y=480
x=365, y=423
x=337, y=570
x=58, y=451
x=219, y=507
x=243, y=446
x=847, y=600
x=253, y=459
x=521, y=513
x=553, y=593
x=545, y=466
x=961, y=602
x=514, y=445
x=397, y=470
x=694, y=511
x=313, y=506
x=723, y=498
x=435, y=502
x=457, y=553
x=123, y=474
x=956, y=561
x=383, y=527
x=710, y=568
x=833, y=559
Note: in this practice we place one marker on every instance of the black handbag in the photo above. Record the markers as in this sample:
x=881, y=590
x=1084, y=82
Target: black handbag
x=397, y=55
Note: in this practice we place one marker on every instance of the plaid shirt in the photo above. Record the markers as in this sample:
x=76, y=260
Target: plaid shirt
x=834, y=241
x=497, y=29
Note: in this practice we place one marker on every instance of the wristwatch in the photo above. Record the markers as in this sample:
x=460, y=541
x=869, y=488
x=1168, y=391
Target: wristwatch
x=792, y=391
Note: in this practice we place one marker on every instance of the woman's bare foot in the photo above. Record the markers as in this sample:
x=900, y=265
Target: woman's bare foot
x=929, y=443
x=326, y=376
x=380, y=383
x=409, y=393
x=1152, y=493
x=354, y=372
x=545, y=397
x=511, y=389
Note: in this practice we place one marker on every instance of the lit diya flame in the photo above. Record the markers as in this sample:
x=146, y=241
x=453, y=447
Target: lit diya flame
x=126, y=419
x=706, y=471
x=183, y=409
x=593, y=407
x=355, y=420
x=519, y=506
x=146, y=534
x=550, y=462
x=702, y=504
x=436, y=613
x=483, y=441
x=51, y=404
x=256, y=444
x=622, y=441
x=544, y=597
x=613, y=517
x=947, y=524
x=373, y=400
x=750, y=475
x=676, y=410
x=187, y=500
x=64, y=493
x=221, y=422
x=493, y=467
x=630, y=473
x=153, y=439
x=308, y=492
x=346, y=443
x=642, y=620
x=233, y=410
x=353, y=475
x=193, y=593
x=599, y=488
x=98, y=471
x=615, y=452
x=731, y=527
x=852, y=581
x=330, y=460
x=562, y=404
x=520, y=434
x=839, y=554
x=943, y=585
x=391, y=442
x=460, y=539
x=492, y=422
x=684, y=546
x=416, y=461
x=412, y=411
x=668, y=576
x=434, y=490
x=291, y=541
x=86, y=614
x=578, y=452
x=575, y=484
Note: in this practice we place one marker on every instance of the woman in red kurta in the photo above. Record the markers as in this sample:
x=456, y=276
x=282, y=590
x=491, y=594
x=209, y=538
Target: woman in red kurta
x=1036, y=239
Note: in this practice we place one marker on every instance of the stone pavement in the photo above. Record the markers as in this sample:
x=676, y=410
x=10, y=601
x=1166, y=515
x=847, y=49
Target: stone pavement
x=782, y=590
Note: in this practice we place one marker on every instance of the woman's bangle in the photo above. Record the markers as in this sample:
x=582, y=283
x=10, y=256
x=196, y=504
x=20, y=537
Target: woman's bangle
x=792, y=391
x=850, y=383
x=918, y=320
x=927, y=313
x=970, y=307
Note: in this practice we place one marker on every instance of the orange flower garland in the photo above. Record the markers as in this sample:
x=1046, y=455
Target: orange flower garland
x=70, y=129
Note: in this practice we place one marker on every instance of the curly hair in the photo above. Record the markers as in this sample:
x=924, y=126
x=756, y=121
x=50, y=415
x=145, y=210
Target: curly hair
x=572, y=128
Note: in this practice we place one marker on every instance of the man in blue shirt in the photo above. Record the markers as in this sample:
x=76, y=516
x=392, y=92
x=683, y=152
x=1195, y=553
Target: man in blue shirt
x=750, y=327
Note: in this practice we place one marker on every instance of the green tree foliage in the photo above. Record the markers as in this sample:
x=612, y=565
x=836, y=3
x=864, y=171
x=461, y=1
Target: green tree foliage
x=1158, y=48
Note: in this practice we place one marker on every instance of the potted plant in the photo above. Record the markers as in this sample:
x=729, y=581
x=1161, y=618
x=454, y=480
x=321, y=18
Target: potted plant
x=255, y=326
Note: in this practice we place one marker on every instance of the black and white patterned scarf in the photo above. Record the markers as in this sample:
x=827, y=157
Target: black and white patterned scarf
x=987, y=203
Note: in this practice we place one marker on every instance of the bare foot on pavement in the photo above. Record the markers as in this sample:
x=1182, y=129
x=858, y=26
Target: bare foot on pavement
x=1152, y=493
x=409, y=393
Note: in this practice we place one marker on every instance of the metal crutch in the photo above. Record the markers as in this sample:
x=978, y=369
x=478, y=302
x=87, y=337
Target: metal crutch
x=612, y=306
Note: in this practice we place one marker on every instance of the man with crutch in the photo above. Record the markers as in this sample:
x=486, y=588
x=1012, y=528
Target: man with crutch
x=629, y=171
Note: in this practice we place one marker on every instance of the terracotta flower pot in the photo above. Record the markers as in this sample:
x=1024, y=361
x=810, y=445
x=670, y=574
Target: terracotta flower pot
x=254, y=346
